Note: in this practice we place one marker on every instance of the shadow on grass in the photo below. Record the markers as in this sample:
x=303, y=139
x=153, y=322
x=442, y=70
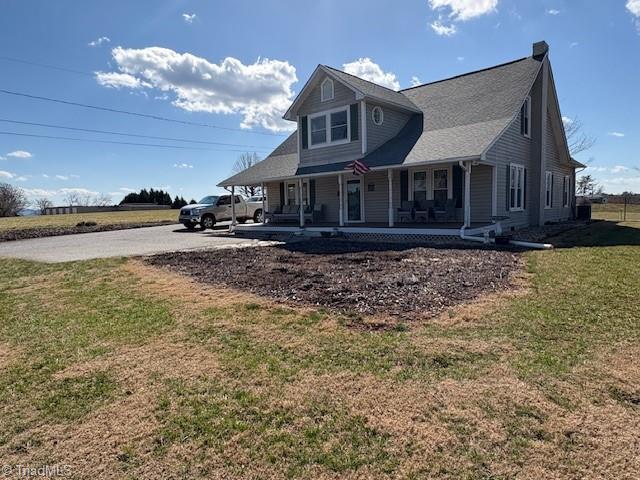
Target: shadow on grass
x=602, y=233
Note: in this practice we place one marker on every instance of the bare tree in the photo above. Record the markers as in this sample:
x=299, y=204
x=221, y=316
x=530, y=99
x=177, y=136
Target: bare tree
x=586, y=185
x=42, y=204
x=72, y=199
x=12, y=200
x=102, y=200
x=577, y=140
x=243, y=162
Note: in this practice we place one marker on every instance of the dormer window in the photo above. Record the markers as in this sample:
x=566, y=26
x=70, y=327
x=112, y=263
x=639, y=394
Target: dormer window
x=326, y=90
x=525, y=118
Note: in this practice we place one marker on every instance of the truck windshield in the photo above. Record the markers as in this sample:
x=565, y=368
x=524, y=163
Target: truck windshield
x=210, y=200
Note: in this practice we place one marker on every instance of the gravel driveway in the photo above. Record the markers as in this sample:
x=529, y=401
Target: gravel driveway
x=120, y=243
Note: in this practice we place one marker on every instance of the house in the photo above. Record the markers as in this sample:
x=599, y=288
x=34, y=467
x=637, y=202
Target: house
x=479, y=152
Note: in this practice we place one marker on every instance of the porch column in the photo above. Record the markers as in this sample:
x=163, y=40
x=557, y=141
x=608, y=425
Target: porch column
x=390, y=179
x=264, y=210
x=467, y=195
x=233, y=205
x=341, y=200
x=300, y=203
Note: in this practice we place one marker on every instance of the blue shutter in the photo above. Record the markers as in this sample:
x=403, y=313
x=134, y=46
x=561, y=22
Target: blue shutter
x=304, y=133
x=354, y=121
x=404, y=185
x=312, y=193
x=457, y=185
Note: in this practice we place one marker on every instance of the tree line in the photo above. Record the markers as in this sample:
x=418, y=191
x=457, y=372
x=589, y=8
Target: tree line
x=157, y=197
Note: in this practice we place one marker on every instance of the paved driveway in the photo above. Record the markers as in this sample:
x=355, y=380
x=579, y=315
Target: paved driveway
x=121, y=243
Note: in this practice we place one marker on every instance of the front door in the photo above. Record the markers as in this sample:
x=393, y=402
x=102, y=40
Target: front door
x=354, y=201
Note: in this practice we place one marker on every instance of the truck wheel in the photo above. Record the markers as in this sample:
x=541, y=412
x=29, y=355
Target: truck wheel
x=257, y=216
x=208, y=221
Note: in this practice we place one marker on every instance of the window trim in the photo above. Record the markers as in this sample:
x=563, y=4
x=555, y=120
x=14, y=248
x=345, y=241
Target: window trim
x=333, y=91
x=433, y=184
x=429, y=173
x=548, y=190
x=327, y=115
x=373, y=115
x=566, y=189
x=519, y=168
x=527, y=102
x=297, y=194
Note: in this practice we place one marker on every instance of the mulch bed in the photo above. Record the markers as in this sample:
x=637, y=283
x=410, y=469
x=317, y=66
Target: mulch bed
x=351, y=277
x=25, y=233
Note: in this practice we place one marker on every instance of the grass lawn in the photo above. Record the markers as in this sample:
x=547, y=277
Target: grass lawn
x=101, y=218
x=614, y=211
x=122, y=370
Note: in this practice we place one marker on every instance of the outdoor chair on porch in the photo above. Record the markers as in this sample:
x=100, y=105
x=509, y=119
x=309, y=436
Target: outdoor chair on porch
x=448, y=212
x=405, y=212
x=314, y=214
x=288, y=213
x=424, y=210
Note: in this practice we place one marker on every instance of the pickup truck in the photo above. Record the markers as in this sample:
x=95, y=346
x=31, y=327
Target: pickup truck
x=217, y=208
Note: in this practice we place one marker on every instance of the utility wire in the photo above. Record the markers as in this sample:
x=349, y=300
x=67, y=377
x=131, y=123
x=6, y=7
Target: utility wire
x=108, y=132
x=136, y=114
x=45, y=65
x=157, y=145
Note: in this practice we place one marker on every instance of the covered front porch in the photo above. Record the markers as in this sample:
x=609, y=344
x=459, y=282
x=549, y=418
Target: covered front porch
x=436, y=199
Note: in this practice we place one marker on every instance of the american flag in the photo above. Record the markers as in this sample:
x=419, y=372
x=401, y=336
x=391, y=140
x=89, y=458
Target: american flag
x=357, y=167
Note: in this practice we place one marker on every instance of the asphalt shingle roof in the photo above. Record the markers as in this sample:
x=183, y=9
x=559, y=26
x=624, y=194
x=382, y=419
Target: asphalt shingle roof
x=462, y=116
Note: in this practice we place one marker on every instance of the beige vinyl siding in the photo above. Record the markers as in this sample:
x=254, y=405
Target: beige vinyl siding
x=393, y=122
x=343, y=97
x=273, y=196
x=558, y=212
x=481, y=188
x=327, y=195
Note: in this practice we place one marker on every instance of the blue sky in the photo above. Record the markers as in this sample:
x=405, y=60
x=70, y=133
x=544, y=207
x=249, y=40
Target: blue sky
x=239, y=64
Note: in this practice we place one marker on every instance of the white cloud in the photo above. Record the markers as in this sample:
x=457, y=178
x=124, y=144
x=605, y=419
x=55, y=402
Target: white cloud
x=553, y=11
x=119, y=80
x=127, y=190
x=79, y=191
x=260, y=91
x=442, y=29
x=20, y=154
x=566, y=121
x=634, y=7
x=22, y=178
x=62, y=177
x=573, y=44
x=182, y=165
x=462, y=10
x=189, y=17
x=99, y=41
x=415, y=81
x=39, y=192
x=369, y=70
x=616, y=134
x=460, y=59
x=619, y=169
x=44, y=175
x=5, y=174
x=2, y=158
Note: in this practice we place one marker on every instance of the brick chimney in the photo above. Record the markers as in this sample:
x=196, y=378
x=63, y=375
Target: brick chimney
x=540, y=49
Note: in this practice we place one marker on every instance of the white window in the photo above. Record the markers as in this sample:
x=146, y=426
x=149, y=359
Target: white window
x=292, y=193
x=339, y=126
x=318, y=130
x=548, y=191
x=377, y=115
x=329, y=128
x=440, y=188
x=566, y=188
x=525, y=118
x=516, y=188
x=326, y=90
x=419, y=186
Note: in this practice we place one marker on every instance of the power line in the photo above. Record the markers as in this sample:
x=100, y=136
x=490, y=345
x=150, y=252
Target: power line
x=95, y=140
x=108, y=132
x=136, y=114
x=45, y=65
